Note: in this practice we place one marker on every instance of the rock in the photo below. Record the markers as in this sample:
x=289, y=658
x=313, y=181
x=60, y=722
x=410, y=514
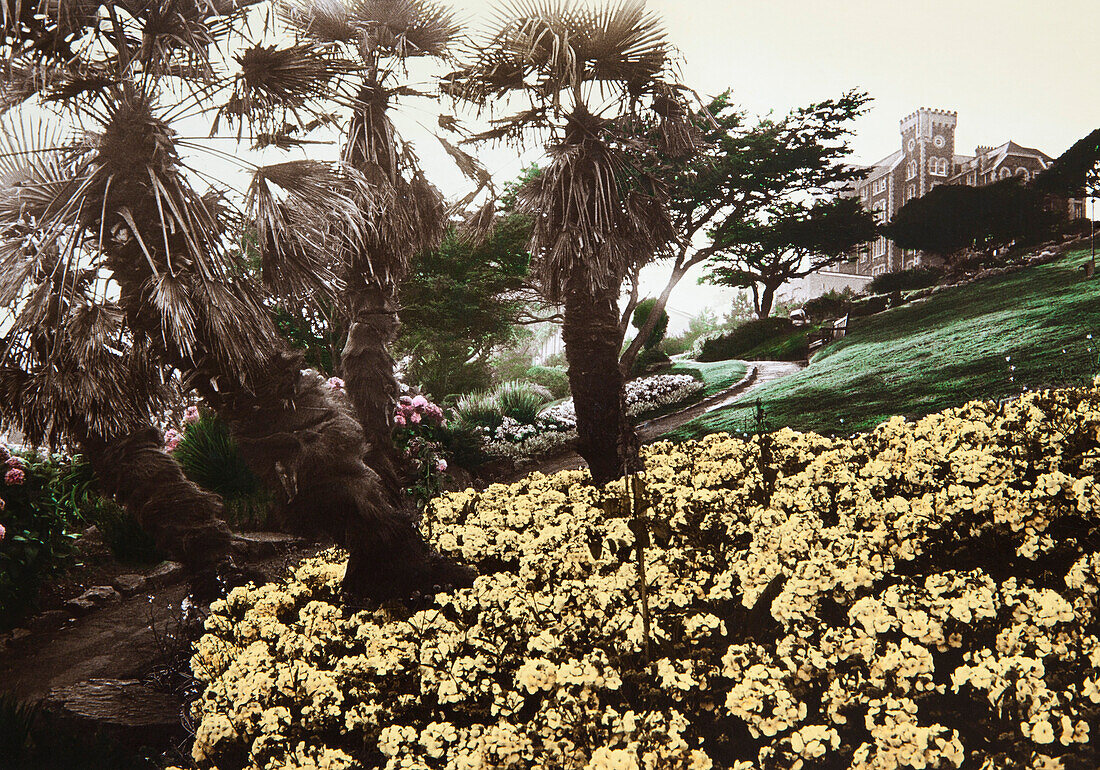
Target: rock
x=92, y=598
x=163, y=574
x=130, y=584
x=49, y=620
x=261, y=545
x=18, y=634
x=121, y=710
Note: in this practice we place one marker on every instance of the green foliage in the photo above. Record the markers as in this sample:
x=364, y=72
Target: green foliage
x=646, y=359
x=716, y=376
x=641, y=315
x=459, y=303
x=317, y=334
x=210, y=457
x=951, y=218
x=554, y=378
x=1074, y=173
x=521, y=401
x=831, y=304
x=127, y=540
x=743, y=339
x=905, y=280
x=518, y=400
x=40, y=526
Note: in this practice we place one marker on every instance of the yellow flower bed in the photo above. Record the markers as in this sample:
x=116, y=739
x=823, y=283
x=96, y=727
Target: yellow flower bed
x=921, y=596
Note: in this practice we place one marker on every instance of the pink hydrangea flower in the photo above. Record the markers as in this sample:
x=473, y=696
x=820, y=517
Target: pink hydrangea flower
x=3, y=505
x=172, y=438
x=191, y=416
x=441, y=465
x=414, y=418
x=334, y=383
x=14, y=476
x=405, y=399
x=419, y=402
x=2, y=531
x=15, y=462
x=399, y=419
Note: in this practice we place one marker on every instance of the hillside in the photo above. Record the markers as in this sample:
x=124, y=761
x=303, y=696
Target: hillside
x=989, y=339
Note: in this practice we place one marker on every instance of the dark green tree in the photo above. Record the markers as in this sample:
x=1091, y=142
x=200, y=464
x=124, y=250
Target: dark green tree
x=789, y=240
x=461, y=301
x=641, y=315
x=952, y=218
x=746, y=168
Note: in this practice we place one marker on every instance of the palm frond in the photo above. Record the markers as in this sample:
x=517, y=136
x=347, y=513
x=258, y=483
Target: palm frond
x=327, y=21
x=275, y=84
x=470, y=166
x=404, y=28
x=307, y=213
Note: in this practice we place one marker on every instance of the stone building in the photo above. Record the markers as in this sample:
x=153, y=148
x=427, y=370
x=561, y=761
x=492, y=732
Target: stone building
x=927, y=158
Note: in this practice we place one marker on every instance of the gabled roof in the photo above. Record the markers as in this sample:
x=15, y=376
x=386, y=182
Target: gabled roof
x=886, y=165
x=997, y=155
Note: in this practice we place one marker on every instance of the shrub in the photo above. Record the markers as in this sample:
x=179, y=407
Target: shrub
x=478, y=410
x=522, y=401
x=37, y=529
x=831, y=304
x=923, y=595
x=744, y=338
x=649, y=360
x=126, y=539
x=641, y=315
x=553, y=378
x=905, y=280
x=210, y=457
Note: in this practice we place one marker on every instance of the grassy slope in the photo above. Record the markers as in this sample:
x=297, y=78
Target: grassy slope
x=939, y=353
x=716, y=376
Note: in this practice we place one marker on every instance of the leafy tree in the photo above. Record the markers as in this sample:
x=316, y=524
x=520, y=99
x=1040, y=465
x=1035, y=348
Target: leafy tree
x=591, y=79
x=461, y=301
x=115, y=266
x=951, y=218
x=641, y=315
x=1075, y=174
x=747, y=169
x=790, y=240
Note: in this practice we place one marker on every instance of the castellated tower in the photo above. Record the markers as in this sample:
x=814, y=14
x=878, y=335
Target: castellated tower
x=928, y=147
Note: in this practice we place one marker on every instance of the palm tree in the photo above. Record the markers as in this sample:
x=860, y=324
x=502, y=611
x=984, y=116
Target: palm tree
x=377, y=40
x=115, y=206
x=594, y=79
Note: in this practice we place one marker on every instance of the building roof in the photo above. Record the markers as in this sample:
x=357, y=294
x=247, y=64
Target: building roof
x=886, y=165
x=998, y=154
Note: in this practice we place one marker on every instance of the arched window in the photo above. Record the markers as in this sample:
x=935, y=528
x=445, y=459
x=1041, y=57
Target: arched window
x=911, y=169
x=937, y=166
x=1005, y=173
x=1021, y=171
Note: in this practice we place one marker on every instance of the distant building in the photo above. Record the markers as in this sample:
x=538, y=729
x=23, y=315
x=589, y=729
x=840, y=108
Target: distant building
x=927, y=158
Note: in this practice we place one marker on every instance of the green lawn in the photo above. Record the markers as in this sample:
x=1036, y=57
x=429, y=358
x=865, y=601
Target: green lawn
x=717, y=376
x=955, y=346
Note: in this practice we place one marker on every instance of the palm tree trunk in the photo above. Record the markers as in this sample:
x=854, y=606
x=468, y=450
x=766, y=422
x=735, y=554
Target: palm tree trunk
x=606, y=438
x=302, y=439
x=185, y=521
x=368, y=370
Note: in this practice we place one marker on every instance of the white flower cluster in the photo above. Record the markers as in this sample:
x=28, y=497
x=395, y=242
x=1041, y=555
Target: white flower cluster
x=860, y=603
x=557, y=424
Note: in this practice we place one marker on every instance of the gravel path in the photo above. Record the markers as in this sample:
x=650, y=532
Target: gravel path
x=759, y=373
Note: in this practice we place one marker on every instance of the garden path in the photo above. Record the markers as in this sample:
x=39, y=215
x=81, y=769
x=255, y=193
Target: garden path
x=760, y=373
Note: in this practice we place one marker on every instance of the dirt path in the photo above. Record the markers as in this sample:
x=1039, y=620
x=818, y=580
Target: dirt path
x=759, y=373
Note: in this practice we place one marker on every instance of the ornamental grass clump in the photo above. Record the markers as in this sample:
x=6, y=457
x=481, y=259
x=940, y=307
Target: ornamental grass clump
x=920, y=596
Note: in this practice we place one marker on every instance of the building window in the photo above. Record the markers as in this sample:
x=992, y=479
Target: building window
x=970, y=179
x=863, y=193
x=911, y=169
x=939, y=141
x=1021, y=171
x=937, y=166
x=912, y=144
x=879, y=185
x=911, y=193
x=1005, y=173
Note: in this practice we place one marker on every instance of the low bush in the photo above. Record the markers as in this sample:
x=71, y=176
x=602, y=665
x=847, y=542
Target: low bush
x=920, y=596
x=831, y=304
x=37, y=529
x=553, y=378
x=905, y=280
x=744, y=338
x=522, y=401
x=650, y=361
